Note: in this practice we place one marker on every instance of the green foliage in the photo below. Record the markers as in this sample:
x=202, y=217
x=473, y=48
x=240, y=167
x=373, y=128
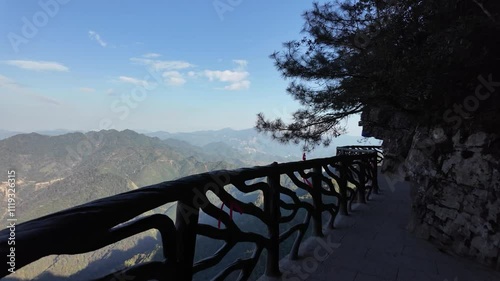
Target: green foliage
x=414, y=56
x=118, y=162
x=55, y=173
x=115, y=163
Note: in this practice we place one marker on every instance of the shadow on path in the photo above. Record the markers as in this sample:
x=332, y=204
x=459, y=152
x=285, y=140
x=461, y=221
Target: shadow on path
x=373, y=244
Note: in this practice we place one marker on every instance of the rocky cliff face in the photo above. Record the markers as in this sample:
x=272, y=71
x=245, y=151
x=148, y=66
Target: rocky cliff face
x=454, y=171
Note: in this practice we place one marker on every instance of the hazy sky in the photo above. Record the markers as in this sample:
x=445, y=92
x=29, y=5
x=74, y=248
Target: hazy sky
x=155, y=65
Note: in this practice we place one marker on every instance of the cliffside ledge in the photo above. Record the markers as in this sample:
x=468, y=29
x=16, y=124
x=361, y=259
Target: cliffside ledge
x=452, y=162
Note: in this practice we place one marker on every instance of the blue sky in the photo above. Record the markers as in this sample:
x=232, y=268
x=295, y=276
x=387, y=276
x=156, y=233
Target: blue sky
x=151, y=65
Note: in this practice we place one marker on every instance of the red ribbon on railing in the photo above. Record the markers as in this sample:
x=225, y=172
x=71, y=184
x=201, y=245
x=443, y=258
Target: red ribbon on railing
x=231, y=206
x=308, y=182
x=304, y=179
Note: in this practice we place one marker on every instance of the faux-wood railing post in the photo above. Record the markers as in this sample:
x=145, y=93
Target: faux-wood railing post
x=375, y=173
x=186, y=221
x=361, y=196
x=343, y=189
x=317, y=201
x=272, y=208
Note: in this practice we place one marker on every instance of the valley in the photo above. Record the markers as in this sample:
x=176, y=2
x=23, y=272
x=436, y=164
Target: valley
x=61, y=171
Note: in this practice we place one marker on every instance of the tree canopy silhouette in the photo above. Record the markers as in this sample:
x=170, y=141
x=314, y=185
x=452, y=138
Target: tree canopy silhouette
x=417, y=56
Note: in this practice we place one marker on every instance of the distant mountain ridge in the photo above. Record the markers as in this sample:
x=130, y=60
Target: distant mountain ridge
x=58, y=172
x=6, y=133
x=55, y=172
x=250, y=141
x=247, y=141
x=126, y=157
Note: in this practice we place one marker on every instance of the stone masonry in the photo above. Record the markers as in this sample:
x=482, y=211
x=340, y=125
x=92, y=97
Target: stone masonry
x=455, y=179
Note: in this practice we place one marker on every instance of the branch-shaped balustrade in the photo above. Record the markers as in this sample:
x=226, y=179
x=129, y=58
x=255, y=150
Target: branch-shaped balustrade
x=105, y=221
x=374, y=162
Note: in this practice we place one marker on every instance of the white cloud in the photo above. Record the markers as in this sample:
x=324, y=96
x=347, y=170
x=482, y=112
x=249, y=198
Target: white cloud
x=173, y=78
x=6, y=82
x=135, y=81
x=241, y=85
x=159, y=65
x=241, y=63
x=151, y=55
x=13, y=87
x=87, y=90
x=164, y=65
x=95, y=36
x=38, y=65
x=237, y=78
x=226, y=75
x=169, y=69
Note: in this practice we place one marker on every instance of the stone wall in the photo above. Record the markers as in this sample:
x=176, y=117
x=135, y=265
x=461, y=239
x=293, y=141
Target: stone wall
x=454, y=174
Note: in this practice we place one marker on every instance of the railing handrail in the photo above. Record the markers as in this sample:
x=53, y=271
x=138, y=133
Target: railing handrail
x=90, y=226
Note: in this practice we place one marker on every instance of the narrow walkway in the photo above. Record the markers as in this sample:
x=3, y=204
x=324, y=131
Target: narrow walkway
x=373, y=244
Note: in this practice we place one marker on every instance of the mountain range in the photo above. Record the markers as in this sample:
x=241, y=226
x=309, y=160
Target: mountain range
x=247, y=141
x=62, y=170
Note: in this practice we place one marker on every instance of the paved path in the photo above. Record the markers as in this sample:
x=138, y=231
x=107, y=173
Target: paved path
x=372, y=244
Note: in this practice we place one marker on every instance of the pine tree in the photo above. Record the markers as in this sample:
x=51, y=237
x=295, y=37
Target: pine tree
x=415, y=56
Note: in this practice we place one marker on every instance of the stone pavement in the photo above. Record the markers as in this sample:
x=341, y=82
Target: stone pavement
x=372, y=244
